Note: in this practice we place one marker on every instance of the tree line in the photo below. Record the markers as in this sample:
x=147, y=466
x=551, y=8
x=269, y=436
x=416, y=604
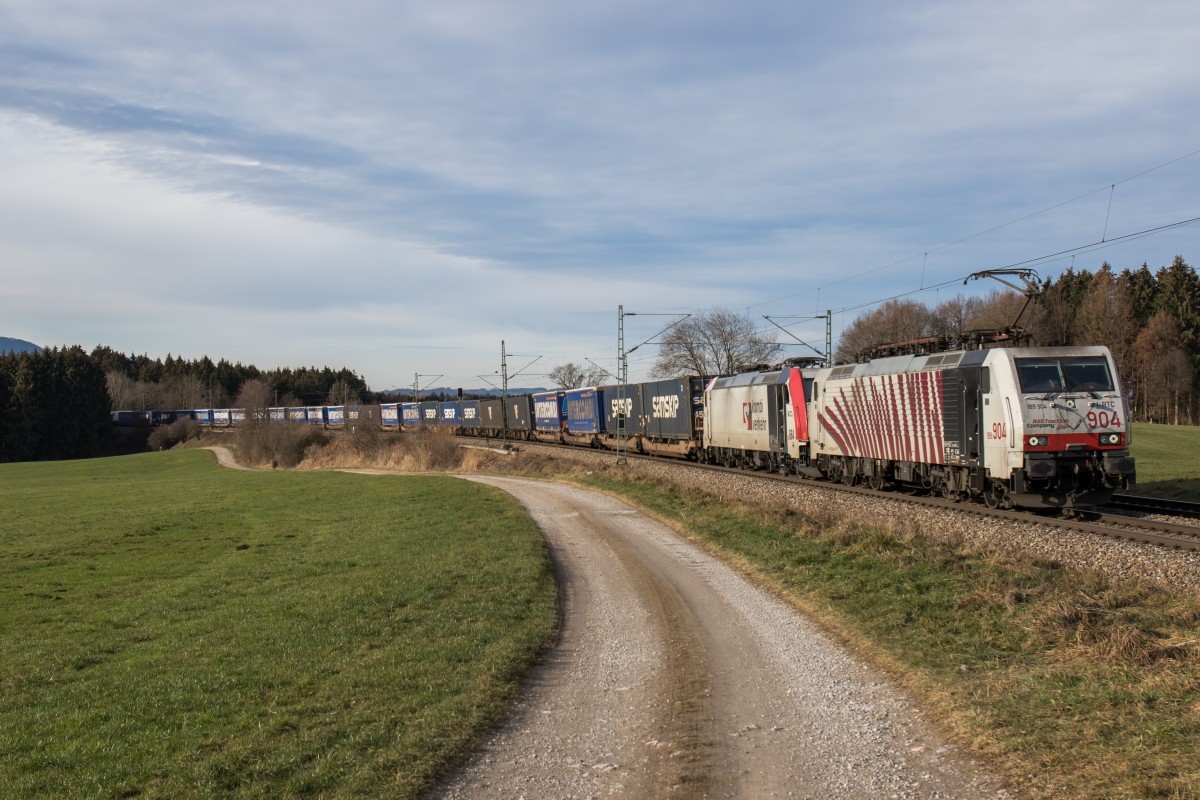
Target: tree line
x=53, y=405
x=141, y=383
x=1150, y=320
x=58, y=403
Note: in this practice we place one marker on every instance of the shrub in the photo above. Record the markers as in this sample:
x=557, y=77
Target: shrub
x=166, y=437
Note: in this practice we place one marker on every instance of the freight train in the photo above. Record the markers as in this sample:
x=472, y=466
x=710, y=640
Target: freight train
x=1044, y=427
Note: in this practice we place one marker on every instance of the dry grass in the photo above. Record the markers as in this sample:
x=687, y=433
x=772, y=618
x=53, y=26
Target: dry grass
x=178, y=432
x=435, y=450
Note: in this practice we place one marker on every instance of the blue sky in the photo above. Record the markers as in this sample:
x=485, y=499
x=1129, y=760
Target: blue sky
x=396, y=187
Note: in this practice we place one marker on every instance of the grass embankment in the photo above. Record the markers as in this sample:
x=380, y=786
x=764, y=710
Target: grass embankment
x=1168, y=460
x=1074, y=686
x=171, y=629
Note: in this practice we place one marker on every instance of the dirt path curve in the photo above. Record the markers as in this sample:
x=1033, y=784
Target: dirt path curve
x=225, y=458
x=675, y=677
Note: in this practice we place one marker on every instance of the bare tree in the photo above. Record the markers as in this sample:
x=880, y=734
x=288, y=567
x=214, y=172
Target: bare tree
x=999, y=310
x=254, y=398
x=894, y=321
x=131, y=394
x=952, y=317
x=342, y=393
x=121, y=390
x=1106, y=317
x=1164, y=379
x=718, y=342
x=572, y=376
x=183, y=391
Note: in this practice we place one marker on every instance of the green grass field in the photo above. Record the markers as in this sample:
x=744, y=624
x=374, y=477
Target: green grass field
x=172, y=629
x=1168, y=460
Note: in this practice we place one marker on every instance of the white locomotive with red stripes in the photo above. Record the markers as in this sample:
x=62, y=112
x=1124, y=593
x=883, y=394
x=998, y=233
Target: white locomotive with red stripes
x=1043, y=427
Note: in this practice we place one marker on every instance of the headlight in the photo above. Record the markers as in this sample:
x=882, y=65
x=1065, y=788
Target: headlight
x=1110, y=438
x=1038, y=441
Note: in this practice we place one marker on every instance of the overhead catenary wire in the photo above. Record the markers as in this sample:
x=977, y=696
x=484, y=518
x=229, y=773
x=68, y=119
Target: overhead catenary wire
x=1111, y=187
x=1086, y=248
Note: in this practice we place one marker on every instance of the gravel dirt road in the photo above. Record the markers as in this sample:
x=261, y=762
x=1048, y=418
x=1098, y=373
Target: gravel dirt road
x=225, y=458
x=675, y=677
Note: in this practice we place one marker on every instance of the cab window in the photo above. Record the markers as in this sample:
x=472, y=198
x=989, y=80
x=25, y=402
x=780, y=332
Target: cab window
x=1072, y=374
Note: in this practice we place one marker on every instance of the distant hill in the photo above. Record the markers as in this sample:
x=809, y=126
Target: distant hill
x=8, y=345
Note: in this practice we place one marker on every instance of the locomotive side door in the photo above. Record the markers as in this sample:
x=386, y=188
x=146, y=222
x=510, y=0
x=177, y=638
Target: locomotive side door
x=997, y=427
x=972, y=414
x=780, y=432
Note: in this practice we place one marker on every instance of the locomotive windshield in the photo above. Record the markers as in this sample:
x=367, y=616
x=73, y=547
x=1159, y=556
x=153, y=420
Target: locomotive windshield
x=1070, y=374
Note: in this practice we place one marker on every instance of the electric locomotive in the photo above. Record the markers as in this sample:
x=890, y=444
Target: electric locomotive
x=1039, y=427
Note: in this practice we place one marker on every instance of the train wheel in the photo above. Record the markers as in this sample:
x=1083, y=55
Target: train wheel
x=994, y=496
x=876, y=482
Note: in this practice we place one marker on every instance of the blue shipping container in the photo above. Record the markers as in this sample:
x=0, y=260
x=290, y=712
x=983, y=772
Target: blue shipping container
x=448, y=413
x=202, y=415
x=548, y=411
x=669, y=407
x=335, y=416
x=626, y=406
x=584, y=410
x=470, y=414
x=277, y=414
x=389, y=414
x=410, y=415
x=429, y=413
x=316, y=415
x=297, y=414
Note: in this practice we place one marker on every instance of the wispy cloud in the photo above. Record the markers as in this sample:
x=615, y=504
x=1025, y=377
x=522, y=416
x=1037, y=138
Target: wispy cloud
x=505, y=167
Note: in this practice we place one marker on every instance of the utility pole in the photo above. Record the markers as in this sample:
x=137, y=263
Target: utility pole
x=417, y=385
x=828, y=337
x=504, y=387
x=623, y=371
x=504, y=378
x=622, y=378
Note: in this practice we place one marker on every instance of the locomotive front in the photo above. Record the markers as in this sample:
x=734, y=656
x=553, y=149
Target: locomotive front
x=1063, y=426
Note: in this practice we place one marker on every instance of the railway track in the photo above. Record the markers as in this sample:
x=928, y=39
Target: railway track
x=1105, y=523
x=1155, y=505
